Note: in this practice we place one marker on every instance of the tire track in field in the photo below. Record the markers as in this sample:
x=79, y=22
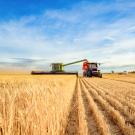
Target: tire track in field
x=125, y=109
x=91, y=113
x=72, y=127
x=114, y=128
x=76, y=124
x=128, y=107
x=91, y=124
x=83, y=117
x=122, y=100
x=116, y=122
x=120, y=80
x=96, y=123
x=113, y=84
x=117, y=105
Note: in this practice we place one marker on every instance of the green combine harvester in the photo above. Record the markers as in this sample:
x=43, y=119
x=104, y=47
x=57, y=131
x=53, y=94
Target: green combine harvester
x=58, y=68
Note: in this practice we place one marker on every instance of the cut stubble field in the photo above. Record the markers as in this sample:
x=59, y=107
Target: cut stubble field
x=66, y=105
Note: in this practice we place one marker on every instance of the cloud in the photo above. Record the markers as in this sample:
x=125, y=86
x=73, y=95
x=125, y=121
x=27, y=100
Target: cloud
x=102, y=32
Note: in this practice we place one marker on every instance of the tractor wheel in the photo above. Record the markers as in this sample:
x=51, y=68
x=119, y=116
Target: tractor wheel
x=89, y=73
x=100, y=75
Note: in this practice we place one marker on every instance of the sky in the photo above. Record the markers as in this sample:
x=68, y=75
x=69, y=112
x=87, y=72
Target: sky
x=35, y=33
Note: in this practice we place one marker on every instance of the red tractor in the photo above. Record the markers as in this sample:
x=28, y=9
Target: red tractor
x=91, y=69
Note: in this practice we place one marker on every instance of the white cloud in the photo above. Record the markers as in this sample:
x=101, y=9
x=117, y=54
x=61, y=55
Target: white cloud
x=83, y=31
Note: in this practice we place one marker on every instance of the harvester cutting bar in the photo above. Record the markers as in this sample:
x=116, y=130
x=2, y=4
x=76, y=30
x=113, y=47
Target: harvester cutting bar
x=52, y=73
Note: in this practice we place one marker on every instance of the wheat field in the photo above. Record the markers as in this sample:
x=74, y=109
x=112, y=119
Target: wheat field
x=66, y=105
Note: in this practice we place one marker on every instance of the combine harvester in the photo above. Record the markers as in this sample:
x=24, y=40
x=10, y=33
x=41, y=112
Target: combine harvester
x=89, y=69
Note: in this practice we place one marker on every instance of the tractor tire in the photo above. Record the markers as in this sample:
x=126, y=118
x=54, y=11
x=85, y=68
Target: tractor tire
x=100, y=75
x=89, y=73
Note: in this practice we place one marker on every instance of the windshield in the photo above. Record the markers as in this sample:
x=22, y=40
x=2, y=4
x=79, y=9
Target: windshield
x=93, y=65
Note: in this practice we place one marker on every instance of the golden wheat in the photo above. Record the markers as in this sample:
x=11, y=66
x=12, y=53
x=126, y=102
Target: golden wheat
x=35, y=105
x=66, y=105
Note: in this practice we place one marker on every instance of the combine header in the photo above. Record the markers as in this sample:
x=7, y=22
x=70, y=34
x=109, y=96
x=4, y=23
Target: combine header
x=89, y=69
